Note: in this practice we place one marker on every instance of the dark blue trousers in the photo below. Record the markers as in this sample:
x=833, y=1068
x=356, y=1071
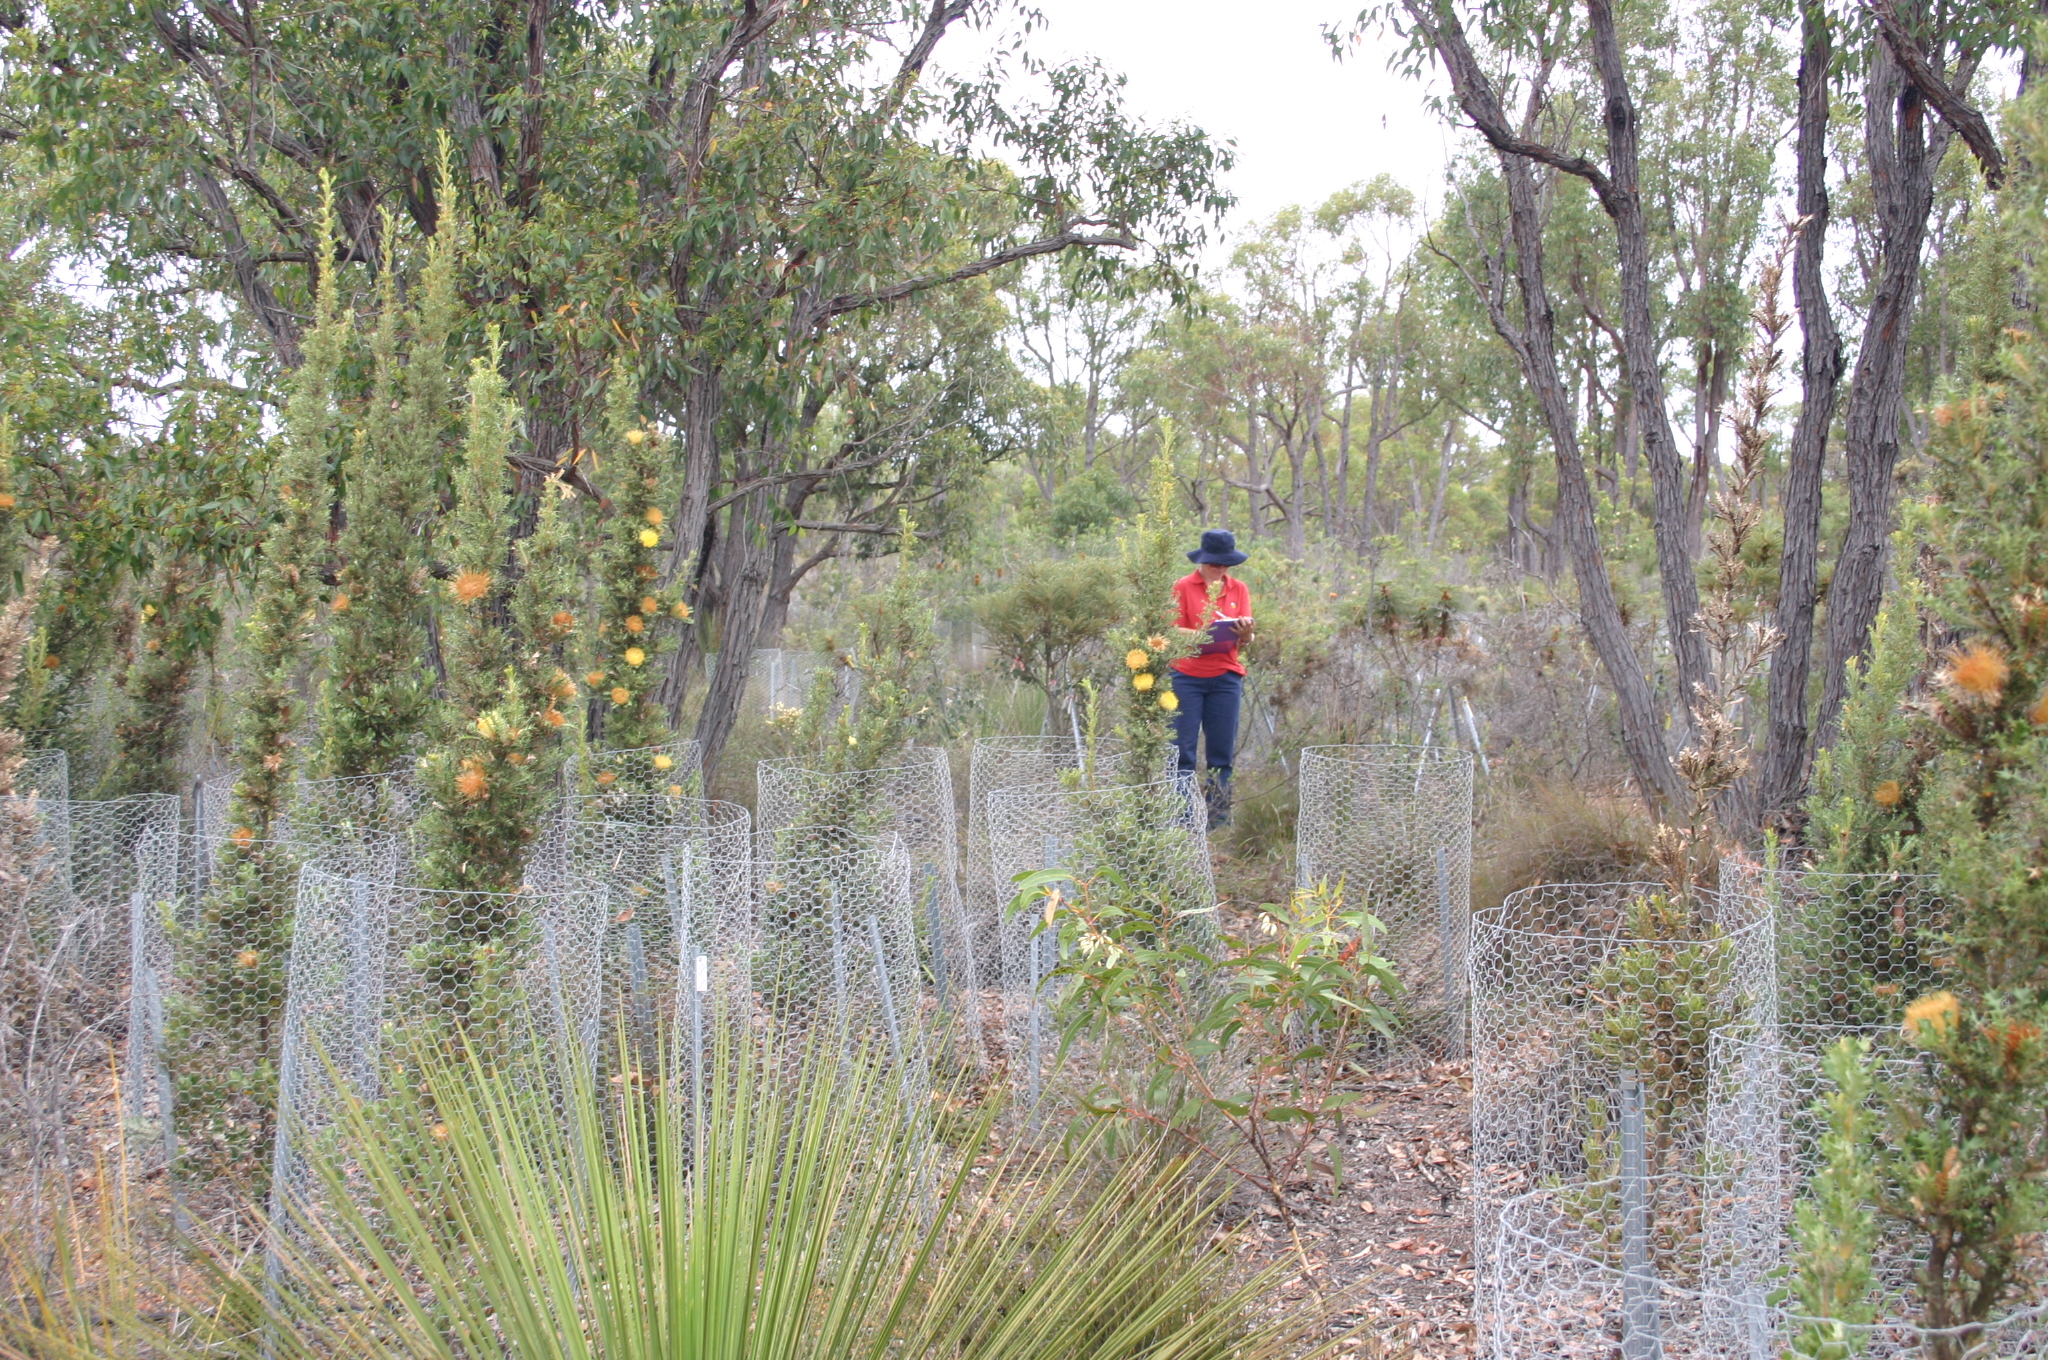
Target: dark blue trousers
x=1208, y=706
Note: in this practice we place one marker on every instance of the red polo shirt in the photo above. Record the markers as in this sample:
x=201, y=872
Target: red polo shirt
x=1191, y=593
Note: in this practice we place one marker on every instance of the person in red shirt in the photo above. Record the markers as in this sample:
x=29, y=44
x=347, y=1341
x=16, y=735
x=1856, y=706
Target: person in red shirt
x=1216, y=608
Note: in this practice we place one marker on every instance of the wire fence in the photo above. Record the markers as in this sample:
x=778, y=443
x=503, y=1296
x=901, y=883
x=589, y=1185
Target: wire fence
x=210, y=936
x=1592, y=1009
x=1145, y=842
x=911, y=796
x=1393, y=825
x=676, y=876
x=674, y=769
x=380, y=970
x=1853, y=949
x=996, y=764
x=65, y=899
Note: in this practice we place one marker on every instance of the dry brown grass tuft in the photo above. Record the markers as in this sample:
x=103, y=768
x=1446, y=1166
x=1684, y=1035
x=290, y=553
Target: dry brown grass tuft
x=1559, y=833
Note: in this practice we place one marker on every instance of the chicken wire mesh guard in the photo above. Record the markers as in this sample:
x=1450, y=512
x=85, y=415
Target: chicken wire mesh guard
x=911, y=796
x=1572, y=1286
x=210, y=934
x=675, y=872
x=1592, y=1009
x=348, y=806
x=1008, y=763
x=1853, y=949
x=378, y=968
x=1152, y=837
x=1393, y=824
x=674, y=769
x=834, y=943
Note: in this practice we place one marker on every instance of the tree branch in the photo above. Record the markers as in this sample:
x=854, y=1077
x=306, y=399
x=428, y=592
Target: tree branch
x=1477, y=99
x=1913, y=60
x=896, y=292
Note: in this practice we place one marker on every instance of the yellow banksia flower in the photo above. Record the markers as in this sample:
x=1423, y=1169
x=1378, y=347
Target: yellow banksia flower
x=341, y=602
x=648, y=538
x=675, y=790
x=1144, y=680
x=1169, y=701
x=1978, y=671
x=471, y=586
x=635, y=624
x=620, y=694
x=636, y=437
x=664, y=763
x=1930, y=1019
x=634, y=656
x=440, y=1132
x=1137, y=658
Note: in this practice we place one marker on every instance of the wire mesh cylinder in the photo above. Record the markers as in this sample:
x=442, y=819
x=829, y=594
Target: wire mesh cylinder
x=210, y=934
x=1853, y=949
x=675, y=872
x=674, y=769
x=1578, y=992
x=1393, y=825
x=1149, y=841
x=912, y=796
x=378, y=968
x=998, y=763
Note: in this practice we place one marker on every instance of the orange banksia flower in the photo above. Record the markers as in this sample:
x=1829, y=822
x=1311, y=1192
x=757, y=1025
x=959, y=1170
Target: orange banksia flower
x=649, y=605
x=607, y=777
x=1930, y=1019
x=242, y=836
x=620, y=694
x=472, y=783
x=594, y=679
x=552, y=717
x=248, y=958
x=6, y=501
x=680, y=610
x=1978, y=672
x=1137, y=658
x=653, y=515
x=635, y=624
x=563, y=620
x=1887, y=794
x=675, y=790
x=1156, y=643
x=341, y=603
x=2038, y=714
x=471, y=586
x=645, y=571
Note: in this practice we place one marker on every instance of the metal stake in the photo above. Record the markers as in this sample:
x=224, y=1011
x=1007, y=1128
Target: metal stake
x=1641, y=1335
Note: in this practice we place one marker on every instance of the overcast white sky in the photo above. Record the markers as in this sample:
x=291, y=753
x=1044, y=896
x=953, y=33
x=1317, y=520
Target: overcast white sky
x=1260, y=75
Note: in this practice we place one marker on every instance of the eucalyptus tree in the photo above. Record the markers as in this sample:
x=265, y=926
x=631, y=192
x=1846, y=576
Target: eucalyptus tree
x=706, y=196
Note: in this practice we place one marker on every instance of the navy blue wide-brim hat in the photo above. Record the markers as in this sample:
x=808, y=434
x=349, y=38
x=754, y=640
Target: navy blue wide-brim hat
x=1219, y=548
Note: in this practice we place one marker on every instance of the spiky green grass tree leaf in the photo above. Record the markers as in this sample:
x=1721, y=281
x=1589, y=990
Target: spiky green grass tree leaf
x=798, y=1210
